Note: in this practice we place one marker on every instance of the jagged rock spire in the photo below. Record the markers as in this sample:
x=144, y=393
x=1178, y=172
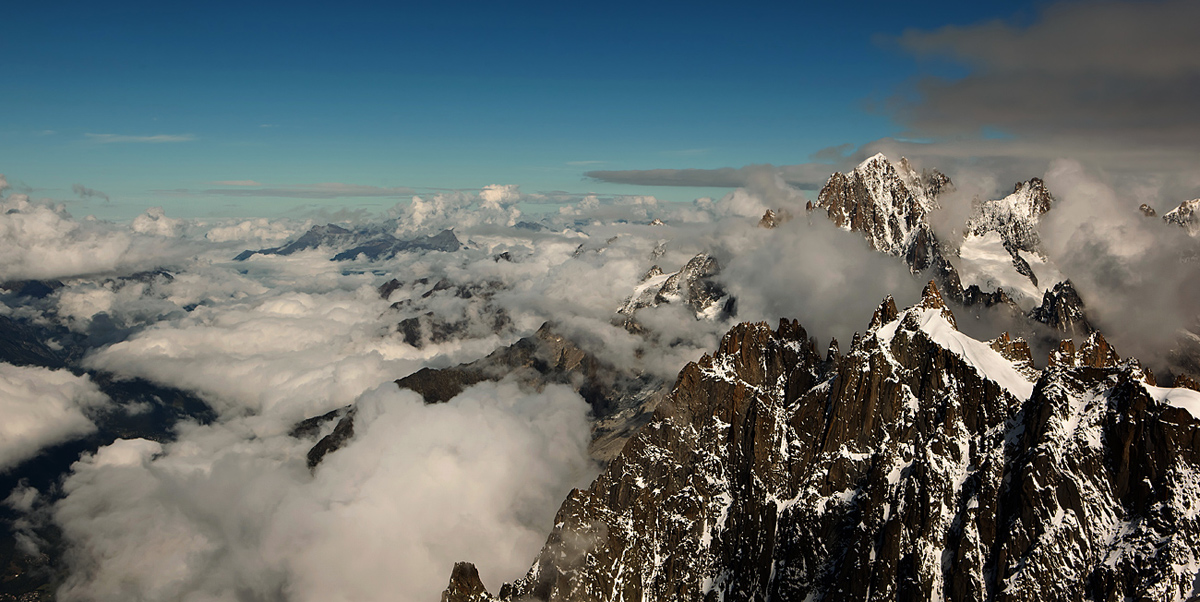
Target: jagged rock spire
x=931, y=298
x=465, y=585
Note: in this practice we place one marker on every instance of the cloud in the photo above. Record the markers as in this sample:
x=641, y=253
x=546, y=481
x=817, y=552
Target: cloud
x=494, y=204
x=86, y=193
x=260, y=230
x=43, y=407
x=808, y=176
x=156, y=139
x=155, y=221
x=1137, y=275
x=231, y=511
x=324, y=190
x=238, y=183
x=1110, y=83
x=1118, y=72
x=41, y=241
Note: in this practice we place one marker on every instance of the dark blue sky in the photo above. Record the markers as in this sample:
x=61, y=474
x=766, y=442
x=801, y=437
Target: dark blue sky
x=140, y=99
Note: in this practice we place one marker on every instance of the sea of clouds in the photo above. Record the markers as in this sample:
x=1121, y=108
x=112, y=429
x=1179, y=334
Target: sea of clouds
x=228, y=510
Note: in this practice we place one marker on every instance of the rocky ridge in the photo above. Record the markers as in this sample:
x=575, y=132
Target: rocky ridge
x=921, y=464
x=1014, y=217
x=887, y=203
x=620, y=402
x=370, y=243
x=693, y=285
x=1186, y=216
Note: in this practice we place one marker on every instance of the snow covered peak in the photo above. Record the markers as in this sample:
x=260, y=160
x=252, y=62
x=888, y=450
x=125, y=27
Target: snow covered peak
x=1014, y=217
x=888, y=204
x=931, y=318
x=874, y=162
x=1186, y=215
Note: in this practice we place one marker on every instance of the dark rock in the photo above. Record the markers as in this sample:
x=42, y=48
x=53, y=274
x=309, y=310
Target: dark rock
x=465, y=585
x=34, y=289
x=531, y=226
x=1063, y=310
x=387, y=288
x=620, y=403
x=328, y=235
x=771, y=219
x=342, y=433
x=902, y=472
x=311, y=427
x=387, y=246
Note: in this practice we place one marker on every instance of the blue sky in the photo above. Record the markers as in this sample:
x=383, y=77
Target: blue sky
x=153, y=103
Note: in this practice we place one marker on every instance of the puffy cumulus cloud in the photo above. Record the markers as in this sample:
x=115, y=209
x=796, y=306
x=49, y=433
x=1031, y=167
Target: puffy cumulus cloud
x=229, y=511
x=494, y=204
x=145, y=521
x=261, y=230
x=42, y=407
x=305, y=353
x=478, y=478
x=1138, y=275
x=155, y=221
x=294, y=336
x=494, y=195
x=41, y=241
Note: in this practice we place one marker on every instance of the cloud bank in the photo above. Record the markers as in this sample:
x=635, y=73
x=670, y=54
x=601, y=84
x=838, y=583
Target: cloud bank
x=43, y=407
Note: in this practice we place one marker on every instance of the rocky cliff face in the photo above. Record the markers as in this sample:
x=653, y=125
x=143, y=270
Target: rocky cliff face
x=1186, y=216
x=1062, y=309
x=621, y=402
x=922, y=464
x=693, y=285
x=887, y=203
x=1014, y=217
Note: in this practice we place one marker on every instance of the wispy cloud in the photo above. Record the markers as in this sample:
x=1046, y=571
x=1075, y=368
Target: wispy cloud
x=578, y=163
x=323, y=190
x=237, y=183
x=88, y=194
x=157, y=138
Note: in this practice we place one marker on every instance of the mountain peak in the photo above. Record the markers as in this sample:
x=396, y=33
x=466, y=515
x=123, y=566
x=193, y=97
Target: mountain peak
x=931, y=298
x=876, y=160
x=1186, y=215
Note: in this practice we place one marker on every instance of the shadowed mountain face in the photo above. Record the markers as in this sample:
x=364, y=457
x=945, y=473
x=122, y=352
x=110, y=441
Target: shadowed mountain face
x=371, y=244
x=621, y=403
x=922, y=464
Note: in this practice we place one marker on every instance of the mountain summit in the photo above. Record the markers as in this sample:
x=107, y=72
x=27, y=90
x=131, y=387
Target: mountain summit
x=921, y=465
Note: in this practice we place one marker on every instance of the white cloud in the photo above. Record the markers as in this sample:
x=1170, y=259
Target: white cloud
x=155, y=221
x=230, y=510
x=261, y=230
x=41, y=241
x=42, y=407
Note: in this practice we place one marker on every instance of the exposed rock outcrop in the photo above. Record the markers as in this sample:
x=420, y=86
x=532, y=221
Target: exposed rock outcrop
x=921, y=465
